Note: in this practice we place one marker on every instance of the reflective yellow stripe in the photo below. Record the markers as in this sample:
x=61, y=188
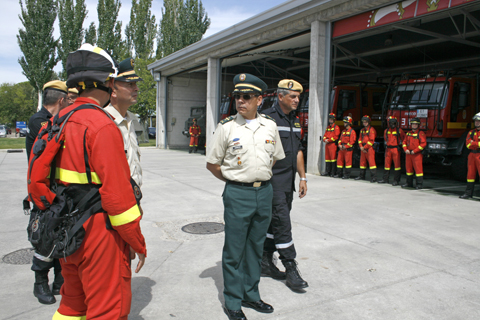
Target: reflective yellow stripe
x=59, y=316
x=404, y=145
x=363, y=167
x=457, y=125
x=470, y=180
x=348, y=144
x=396, y=169
x=339, y=166
x=75, y=177
x=370, y=143
x=419, y=174
x=409, y=174
x=420, y=148
x=387, y=168
x=373, y=167
x=126, y=217
x=333, y=139
x=348, y=167
x=468, y=145
x=479, y=144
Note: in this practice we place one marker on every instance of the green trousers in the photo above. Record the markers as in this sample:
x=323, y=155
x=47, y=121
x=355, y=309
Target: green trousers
x=247, y=215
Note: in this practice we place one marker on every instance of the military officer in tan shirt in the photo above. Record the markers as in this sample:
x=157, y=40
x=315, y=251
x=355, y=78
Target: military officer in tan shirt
x=124, y=95
x=244, y=149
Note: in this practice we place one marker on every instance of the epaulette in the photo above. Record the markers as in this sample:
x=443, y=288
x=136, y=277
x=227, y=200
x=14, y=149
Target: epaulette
x=268, y=117
x=228, y=119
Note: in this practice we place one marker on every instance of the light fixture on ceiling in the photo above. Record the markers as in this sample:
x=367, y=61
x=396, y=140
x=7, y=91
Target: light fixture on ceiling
x=389, y=41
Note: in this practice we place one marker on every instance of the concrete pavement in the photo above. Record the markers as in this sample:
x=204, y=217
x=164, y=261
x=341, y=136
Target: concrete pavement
x=368, y=251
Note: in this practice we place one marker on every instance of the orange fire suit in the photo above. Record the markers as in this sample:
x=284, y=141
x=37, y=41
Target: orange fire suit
x=416, y=141
x=366, y=140
x=330, y=138
x=473, y=143
x=195, y=132
x=97, y=276
x=393, y=138
x=347, y=139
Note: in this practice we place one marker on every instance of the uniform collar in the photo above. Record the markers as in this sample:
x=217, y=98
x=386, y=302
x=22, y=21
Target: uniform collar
x=117, y=117
x=241, y=120
x=44, y=110
x=279, y=110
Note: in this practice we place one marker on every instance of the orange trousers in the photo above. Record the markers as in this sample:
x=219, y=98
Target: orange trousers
x=344, y=157
x=193, y=141
x=473, y=166
x=330, y=152
x=97, y=276
x=414, y=162
x=369, y=157
x=392, y=154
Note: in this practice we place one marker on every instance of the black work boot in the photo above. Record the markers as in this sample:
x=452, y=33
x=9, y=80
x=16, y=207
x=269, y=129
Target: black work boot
x=269, y=269
x=347, y=173
x=339, y=173
x=328, y=169
x=419, y=183
x=41, y=290
x=362, y=175
x=386, y=175
x=396, y=178
x=334, y=169
x=190, y=149
x=409, y=183
x=57, y=283
x=373, y=175
x=294, y=280
x=194, y=149
x=469, y=191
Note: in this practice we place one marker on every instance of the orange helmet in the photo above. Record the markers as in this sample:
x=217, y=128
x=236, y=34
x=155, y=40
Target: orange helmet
x=348, y=120
x=366, y=118
x=331, y=115
x=392, y=118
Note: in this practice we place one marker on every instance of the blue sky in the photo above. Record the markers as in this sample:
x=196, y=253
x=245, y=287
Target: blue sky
x=223, y=14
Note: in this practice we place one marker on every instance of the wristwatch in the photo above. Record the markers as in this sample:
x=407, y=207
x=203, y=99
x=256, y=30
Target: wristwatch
x=304, y=179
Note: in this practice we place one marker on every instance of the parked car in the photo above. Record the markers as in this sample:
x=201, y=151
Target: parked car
x=152, y=132
x=3, y=132
x=23, y=132
x=9, y=131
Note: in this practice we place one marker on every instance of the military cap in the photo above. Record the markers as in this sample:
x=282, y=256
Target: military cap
x=126, y=71
x=73, y=90
x=245, y=82
x=415, y=121
x=56, y=85
x=289, y=84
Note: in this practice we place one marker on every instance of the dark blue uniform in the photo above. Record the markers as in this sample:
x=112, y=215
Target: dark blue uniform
x=34, y=124
x=279, y=235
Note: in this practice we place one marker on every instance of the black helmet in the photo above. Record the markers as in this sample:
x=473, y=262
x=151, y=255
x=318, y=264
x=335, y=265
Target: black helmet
x=366, y=118
x=89, y=67
x=415, y=121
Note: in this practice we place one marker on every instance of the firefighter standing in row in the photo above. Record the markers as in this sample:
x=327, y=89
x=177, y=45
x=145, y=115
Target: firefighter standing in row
x=195, y=133
x=366, y=140
x=72, y=95
x=413, y=145
x=98, y=275
x=473, y=144
x=393, y=137
x=279, y=234
x=54, y=100
x=345, y=146
x=331, y=138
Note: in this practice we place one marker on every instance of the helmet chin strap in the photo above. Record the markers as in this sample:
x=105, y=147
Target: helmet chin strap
x=107, y=90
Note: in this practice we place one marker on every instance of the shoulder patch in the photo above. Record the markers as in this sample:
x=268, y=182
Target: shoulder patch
x=228, y=119
x=268, y=117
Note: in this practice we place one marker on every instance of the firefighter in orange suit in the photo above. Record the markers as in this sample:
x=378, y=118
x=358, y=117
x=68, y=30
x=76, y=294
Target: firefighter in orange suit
x=195, y=132
x=393, y=137
x=366, y=140
x=345, y=146
x=473, y=144
x=413, y=145
x=98, y=275
x=331, y=138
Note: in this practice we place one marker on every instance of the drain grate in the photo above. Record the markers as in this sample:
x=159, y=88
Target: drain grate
x=22, y=256
x=203, y=228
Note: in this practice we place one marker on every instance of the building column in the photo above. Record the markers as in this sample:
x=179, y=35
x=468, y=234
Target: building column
x=318, y=94
x=213, y=98
x=162, y=96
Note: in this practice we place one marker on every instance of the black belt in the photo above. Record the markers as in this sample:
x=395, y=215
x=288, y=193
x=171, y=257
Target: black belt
x=475, y=151
x=251, y=184
x=347, y=149
x=391, y=147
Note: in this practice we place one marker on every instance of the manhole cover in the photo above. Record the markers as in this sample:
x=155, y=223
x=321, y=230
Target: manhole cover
x=22, y=256
x=203, y=227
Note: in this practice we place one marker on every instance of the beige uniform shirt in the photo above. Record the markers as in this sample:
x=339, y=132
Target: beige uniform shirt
x=130, y=142
x=246, y=155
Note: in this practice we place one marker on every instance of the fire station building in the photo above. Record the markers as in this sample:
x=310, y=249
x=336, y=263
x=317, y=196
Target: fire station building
x=319, y=43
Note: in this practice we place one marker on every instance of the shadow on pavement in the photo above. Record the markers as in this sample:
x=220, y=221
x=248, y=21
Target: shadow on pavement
x=141, y=296
x=216, y=274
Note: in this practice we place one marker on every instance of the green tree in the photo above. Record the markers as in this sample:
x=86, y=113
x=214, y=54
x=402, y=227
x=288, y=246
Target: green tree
x=109, y=33
x=70, y=19
x=146, y=105
x=91, y=34
x=36, y=41
x=141, y=31
x=17, y=102
x=182, y=24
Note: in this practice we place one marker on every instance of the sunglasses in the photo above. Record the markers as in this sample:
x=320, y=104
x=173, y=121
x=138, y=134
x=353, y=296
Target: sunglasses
x=244, y=96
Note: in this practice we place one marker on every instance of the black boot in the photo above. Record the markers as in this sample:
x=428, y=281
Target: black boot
x=41, y=290
x=469, y=191
x=373, y=175
x=339, y=173
x=269, y=269
x=57, y=283
x=396, y=178
x=386, y=175
x=347, y=173
x=195, y=150
x=419, y=183
x=190, y=149
x=334, y=169
x=362, y=175
x=328, y=169
x=294, y=280
x=409, y=183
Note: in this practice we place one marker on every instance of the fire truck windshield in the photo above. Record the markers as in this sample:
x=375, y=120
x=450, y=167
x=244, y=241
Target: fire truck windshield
x=420, y=95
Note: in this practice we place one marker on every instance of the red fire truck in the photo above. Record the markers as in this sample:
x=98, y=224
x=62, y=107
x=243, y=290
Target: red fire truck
x=445, y=104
